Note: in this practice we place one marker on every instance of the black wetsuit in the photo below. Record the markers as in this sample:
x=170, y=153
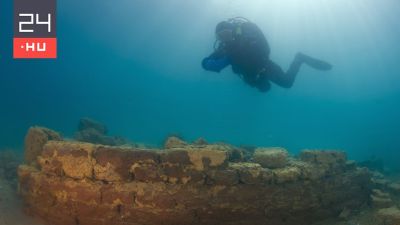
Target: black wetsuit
x=248, y=54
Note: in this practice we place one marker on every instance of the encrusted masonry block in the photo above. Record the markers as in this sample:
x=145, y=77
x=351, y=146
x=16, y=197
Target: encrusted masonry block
x=67, y=158
x=35, y=139
x=86, y=184
x=114, y=164
x=323, y=157
x=271, y=157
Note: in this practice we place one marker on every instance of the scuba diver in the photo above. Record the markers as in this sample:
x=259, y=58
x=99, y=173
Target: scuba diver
x=241, y=44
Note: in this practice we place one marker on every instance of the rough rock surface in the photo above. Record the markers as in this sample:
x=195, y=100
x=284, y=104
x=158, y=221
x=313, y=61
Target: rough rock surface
x=174, y=142
x=381, y=199
x=389, y=216
x=323, y=157
x=35, y=140
x=87, y=184
x=271, y=157
x=200, y=141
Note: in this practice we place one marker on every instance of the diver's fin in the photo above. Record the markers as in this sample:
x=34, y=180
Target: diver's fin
x=314, y=63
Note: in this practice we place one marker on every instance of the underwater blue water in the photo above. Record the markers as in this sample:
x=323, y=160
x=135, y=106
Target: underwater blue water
x=135, y=65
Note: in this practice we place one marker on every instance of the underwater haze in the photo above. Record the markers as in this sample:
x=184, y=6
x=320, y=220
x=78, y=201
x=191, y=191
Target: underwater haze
x=136, y=66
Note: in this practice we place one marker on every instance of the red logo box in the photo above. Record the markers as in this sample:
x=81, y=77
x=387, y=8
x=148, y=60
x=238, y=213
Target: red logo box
x=35, y=48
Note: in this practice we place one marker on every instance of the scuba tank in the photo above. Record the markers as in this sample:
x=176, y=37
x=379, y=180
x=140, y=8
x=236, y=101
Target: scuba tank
x=238, y=21
x=237, y=24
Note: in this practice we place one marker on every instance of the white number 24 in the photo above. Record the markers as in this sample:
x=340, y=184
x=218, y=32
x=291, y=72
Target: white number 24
x=32, y=21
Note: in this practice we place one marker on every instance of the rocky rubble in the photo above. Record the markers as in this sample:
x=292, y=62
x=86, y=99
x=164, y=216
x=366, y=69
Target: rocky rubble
x=389, y=216
x=385, y=199
x=75, y=183
x=9, y=161
x=92, y=131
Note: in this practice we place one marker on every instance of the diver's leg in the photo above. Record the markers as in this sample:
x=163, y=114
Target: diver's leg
x=286, y=80
x=313, y=62
x=263, y=84
x=275, y=73
x=250, y=80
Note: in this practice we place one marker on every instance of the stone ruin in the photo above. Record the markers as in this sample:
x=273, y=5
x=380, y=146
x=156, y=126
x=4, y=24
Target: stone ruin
x=76, y=183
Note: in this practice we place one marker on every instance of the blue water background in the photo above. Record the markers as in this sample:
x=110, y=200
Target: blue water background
x=135, y=65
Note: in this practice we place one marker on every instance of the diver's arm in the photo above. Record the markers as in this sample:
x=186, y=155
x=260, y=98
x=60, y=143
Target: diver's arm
x=216, y=62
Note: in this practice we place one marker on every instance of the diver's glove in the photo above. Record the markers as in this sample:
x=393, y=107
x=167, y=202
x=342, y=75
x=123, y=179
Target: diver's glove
x=215, y=64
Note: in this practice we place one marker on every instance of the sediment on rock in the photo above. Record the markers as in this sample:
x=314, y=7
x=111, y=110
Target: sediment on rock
x=88, y=184
x=389, y=216
x=35, y=139
x=271, y=157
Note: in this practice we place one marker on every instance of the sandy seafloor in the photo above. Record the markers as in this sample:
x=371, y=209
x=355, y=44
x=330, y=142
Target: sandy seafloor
x=11, y=207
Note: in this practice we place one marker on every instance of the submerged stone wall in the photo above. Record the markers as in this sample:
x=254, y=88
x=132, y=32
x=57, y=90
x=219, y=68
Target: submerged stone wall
x=84, y=184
